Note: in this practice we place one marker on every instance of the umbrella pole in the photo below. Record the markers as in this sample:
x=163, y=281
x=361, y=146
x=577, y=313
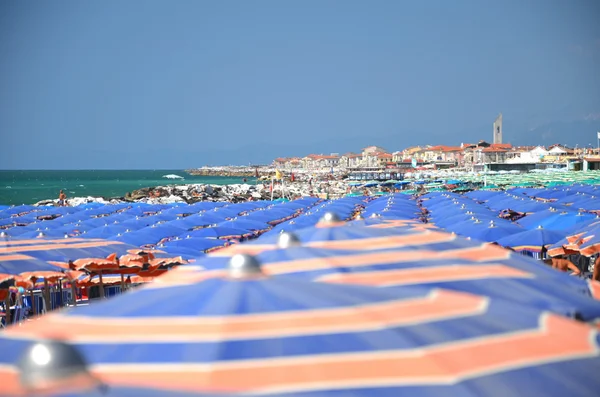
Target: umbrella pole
x=122, y=283
x=60, y=293
x=74, y=292
x=101, y=286
x=33, y=302
x=7, y=305
x=47, y=295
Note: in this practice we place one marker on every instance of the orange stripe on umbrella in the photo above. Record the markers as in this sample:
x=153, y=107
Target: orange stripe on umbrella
x=14, y=257
x=434, y=365
x=49, y=247
x=426, y=275
x=7, y=243
x=438, y=305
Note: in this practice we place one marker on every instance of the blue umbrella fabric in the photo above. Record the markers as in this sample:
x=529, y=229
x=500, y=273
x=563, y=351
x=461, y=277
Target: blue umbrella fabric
x=218, y=232
x=200, y=245
x=15, y=264
x=531, y=240
x=493, y=232
x=242, y=223
x=524, y=282
x=247, y=333
x=555, y=220
x=64, y=250
x=103, y=391
x=106, y=231
x=417, y=246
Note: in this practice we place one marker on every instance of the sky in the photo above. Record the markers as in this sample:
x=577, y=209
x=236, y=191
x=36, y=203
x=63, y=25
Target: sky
x=144, y=84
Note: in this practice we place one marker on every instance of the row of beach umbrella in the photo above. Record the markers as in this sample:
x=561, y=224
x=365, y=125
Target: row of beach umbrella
x=375, y=306
x=356, y=296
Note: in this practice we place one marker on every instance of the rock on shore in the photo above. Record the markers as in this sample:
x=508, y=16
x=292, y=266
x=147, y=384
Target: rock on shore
x=234, y=193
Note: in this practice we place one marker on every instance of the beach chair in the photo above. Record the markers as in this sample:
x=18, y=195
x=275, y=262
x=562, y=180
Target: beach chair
x=18, y=316
x=41, y=305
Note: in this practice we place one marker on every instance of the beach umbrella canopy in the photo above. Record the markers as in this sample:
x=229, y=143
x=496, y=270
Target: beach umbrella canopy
x=590, y=242
x=531, y=240
x=16, y=210
x=105, y=231
x=450, y=221
x=199, y=220
x=493, y=232
x=218, y=232
x=119, y=217
x=49, y=233
x=271, y=215
x=197, y=244
x=555, y=220
x=141, y=238
x=25, y=266
x=139, y=222
x=188, y=254
x=429, y=259
x=242, y=223
x=590, y=204
x=297, y=337
x=64, y=250
x=96, y=222
x=104, y=391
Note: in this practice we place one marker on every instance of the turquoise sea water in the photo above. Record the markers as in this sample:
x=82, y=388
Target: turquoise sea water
x=28, y=187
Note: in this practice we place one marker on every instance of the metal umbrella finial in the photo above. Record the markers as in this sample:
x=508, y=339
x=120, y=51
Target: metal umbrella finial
x=330, y=217
x=243, y=266
x=288, y=240
x=51, y=361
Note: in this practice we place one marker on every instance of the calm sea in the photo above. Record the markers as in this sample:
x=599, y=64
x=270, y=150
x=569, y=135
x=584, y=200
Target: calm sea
x=28, y=187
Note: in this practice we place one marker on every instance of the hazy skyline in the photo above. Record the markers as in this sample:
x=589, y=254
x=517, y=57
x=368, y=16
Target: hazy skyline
x=176, y=84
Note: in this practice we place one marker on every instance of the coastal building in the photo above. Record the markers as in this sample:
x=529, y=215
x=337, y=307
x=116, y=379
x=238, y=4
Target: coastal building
x=310, y=162
x=397, y=156
x=384, y=160
x=484, y=152
x=409, y=153
x=350, y=160
x=373, y=149
x=328, y=161
x=495, y=153
x=280, y=162
x=372, y=159
x=466, y=156
x=526, y=154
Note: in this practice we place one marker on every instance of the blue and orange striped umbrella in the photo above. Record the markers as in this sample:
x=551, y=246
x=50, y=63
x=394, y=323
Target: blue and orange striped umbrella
x=64, y=249
x=16, y=265
x=247, y=333
x=406, y=256
x=532, y=240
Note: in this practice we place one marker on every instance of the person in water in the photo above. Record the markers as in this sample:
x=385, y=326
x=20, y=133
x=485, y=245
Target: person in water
x=62, y=199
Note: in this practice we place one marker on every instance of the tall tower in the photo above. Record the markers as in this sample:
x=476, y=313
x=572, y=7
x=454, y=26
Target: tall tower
x=498, y=129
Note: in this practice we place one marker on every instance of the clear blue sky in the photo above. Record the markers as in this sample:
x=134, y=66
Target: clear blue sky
x=174, y=84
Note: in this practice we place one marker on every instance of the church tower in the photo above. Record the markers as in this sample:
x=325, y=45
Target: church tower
x=498, y=129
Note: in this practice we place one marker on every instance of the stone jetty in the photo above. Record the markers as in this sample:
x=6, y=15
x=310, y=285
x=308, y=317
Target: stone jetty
x=235, y=193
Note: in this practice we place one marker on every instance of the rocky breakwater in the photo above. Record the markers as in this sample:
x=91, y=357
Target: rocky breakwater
x=227, y=171
x=235, y=193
